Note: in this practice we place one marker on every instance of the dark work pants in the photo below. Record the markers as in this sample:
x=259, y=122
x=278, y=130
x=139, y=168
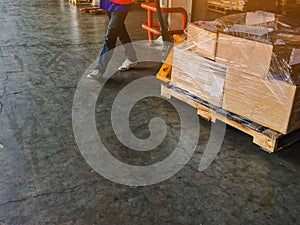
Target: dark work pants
x=116, y=29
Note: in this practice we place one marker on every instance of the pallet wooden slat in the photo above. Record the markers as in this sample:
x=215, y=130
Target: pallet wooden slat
x=80, y=2
x=92, y=10
x=224, y=6
x=217, y=8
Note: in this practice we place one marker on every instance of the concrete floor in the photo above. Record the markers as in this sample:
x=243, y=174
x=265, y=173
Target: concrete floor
x=45, y=48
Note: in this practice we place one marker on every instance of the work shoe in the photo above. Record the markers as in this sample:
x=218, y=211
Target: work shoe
x=127, y=64
x=94, y=74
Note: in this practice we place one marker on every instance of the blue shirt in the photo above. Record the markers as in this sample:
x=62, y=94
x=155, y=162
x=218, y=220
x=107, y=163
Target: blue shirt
x=109, y=6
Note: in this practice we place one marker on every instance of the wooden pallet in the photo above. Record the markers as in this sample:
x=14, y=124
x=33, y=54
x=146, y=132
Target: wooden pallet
x=92, y=10
x=268, y=139
x=218, y=8
x=80, y=2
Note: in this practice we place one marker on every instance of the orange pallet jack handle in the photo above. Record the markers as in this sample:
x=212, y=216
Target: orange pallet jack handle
x=154, y=28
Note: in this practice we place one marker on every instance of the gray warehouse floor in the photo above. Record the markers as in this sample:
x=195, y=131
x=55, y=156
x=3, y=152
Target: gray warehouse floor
x=45, y=48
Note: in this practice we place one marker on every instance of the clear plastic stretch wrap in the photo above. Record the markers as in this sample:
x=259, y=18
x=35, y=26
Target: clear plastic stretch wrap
x=199, y=76
x=246, y=63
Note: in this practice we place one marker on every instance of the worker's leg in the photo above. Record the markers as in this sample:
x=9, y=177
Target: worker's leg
x=126, y=42
x=116, y=19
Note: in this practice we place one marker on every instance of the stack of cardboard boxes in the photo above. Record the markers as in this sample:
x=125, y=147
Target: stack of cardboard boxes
x=254, y=76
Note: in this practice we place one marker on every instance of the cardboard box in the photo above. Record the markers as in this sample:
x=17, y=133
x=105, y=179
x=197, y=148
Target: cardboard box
x=279, y=62
x=245, y=55
x=205, y=41
x=210, y=90
x=285, y=63
x=199, y=76
x=273, y=104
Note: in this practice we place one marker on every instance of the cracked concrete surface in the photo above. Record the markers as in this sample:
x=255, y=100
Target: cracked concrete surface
x=45, y=47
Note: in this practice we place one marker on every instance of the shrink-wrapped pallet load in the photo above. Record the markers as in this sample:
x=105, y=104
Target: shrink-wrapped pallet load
x=260, y=61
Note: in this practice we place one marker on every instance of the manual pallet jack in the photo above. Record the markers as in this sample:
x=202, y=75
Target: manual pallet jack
x=168, y=36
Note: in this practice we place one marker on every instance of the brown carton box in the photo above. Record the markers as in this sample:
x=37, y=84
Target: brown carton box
x=205, y=41
x=248, y=56
x=271, y=103
x=199, y=76
x=279, y=62
x=285, y=63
